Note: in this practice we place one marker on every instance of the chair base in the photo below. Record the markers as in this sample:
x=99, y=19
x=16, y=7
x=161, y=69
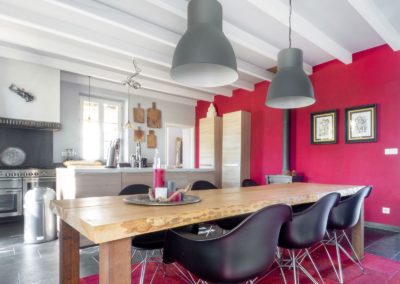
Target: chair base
x=294, y=261
x=336, y=240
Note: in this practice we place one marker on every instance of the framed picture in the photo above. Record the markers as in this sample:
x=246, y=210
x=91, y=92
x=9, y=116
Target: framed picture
x=323, y=127
x=360, y=124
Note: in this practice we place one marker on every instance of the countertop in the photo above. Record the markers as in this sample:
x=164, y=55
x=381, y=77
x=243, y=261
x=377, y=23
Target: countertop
x=127, y=170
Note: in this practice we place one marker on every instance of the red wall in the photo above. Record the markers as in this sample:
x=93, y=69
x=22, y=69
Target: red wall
x=372, y=78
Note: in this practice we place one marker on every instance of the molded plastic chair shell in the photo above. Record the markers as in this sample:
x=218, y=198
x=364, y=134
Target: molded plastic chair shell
x=347, y=213
x=135, y=189
x=242, y=254
x=248, y=183
x=203, y=185
x=309, y=226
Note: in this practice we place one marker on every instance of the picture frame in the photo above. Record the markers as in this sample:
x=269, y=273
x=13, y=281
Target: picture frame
x=324, y=127
x=360, y=124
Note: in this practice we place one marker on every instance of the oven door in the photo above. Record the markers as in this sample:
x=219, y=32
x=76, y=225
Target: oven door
x=10, y=202
x=30, y=183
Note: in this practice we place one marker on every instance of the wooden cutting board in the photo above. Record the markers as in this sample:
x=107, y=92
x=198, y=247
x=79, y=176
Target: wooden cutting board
x=153, y=117
x=138, y=114
x=151, y=140
x=138, y=135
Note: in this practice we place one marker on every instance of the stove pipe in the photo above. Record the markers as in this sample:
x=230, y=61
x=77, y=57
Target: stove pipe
x=286, y=143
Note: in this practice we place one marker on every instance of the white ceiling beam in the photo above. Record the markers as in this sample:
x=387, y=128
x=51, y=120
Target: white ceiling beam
x=134, y=25
x=95, y=72
x=378, y=21
x=62, y=47
x=234, y=33
x=106, y=85
x=280, y=11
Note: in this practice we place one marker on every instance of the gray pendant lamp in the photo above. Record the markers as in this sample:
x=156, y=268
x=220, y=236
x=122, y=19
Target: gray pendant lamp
x=291, y=87
x=204, y=56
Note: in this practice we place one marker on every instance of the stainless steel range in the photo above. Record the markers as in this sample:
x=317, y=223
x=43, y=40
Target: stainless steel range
x=16, y=182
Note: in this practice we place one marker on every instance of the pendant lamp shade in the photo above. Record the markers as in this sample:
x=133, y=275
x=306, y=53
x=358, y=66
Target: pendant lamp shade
x=204, y=56
x=291, y=87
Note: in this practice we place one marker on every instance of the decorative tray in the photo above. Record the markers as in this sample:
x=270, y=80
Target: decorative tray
x=143, y=199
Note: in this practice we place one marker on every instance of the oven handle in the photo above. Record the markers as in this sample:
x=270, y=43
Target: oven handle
x=13, y=191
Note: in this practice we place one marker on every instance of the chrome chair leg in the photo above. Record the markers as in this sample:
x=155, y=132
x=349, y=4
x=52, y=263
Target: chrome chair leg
x=338, y=257
x=315, y=267
x=354, y=252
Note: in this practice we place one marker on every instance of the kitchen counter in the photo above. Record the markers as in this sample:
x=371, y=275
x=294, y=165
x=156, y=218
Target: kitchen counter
x=82, y=182
x=128, y=170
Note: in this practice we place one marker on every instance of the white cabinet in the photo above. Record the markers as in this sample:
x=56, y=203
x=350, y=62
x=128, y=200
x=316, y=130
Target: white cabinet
x=210, y=144
x=235, y=148
x=42, y=82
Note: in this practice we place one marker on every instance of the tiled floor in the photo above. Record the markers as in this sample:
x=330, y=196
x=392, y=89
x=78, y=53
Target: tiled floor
x=23, y=264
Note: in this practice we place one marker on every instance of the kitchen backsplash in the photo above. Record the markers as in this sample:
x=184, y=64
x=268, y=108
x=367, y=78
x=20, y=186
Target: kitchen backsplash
x=37, y=145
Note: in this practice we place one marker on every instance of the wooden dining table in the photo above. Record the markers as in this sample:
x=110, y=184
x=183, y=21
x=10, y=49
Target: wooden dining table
x=111, y=223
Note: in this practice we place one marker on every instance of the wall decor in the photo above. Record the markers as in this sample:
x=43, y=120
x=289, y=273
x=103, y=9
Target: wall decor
x=138, y=114
x=151, y=140
x=154, y=117
x=360, y=124
x=138, y=135
x=22, y=93
x=324, y=127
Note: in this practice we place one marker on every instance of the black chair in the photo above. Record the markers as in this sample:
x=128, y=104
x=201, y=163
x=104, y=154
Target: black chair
x=305, y=230
x=135, y=189
x=240, y=255
x=230, y=223
x=345, y=216
x=203, y=185
x=248, y=183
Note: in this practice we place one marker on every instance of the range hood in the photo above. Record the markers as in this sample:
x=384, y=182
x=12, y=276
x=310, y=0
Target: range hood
x=29, y=124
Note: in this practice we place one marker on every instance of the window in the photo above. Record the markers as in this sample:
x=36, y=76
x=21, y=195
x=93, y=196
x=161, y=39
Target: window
x=101, y=123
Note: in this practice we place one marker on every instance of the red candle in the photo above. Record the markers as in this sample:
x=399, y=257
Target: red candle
x=158, y=178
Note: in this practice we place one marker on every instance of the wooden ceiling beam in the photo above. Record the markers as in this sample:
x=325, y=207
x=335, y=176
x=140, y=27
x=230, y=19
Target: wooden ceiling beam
x=379, y=22
x=279, y=11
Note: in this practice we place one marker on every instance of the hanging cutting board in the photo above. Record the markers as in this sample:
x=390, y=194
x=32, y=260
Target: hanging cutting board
x=138, y=135
x=154, y=117
x=138, y=114
x=151, y=140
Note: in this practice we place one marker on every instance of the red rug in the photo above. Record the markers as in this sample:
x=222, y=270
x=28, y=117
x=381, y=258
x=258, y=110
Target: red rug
x=378, y=270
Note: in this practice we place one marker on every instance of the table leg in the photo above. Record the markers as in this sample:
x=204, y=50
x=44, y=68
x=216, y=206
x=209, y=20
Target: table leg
x=69, y=254
x=357, y=235
x=115, y=262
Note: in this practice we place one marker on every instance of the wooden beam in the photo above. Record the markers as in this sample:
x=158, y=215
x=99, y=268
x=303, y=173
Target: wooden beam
x=69, y=254
x=357, y=235
x=279, y=11
x=115, y=262
x=110, y=76
x=379, y=22
x=104, y=14
x=104, y=87
x=65, y=48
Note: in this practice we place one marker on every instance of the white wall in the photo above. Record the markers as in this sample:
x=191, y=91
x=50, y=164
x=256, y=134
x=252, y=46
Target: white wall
x=69, y=136
x=42, y=82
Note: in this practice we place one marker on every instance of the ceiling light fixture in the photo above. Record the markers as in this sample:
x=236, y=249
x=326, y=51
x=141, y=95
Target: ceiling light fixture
x=130, y=81
x=89, y=118
x=204, y=56
x=291, y=87
x=128, y=124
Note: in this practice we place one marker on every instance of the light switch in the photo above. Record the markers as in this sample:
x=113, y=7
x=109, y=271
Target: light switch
x=391, y=151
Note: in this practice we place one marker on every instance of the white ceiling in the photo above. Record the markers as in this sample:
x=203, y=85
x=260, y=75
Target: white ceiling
x=100, y=38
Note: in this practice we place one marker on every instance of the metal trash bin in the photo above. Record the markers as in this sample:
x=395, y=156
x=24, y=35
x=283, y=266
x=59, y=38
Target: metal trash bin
x=39, y=221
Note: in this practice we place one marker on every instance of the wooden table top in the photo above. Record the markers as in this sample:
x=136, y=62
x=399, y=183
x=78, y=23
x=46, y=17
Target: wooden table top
x=104, y=219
